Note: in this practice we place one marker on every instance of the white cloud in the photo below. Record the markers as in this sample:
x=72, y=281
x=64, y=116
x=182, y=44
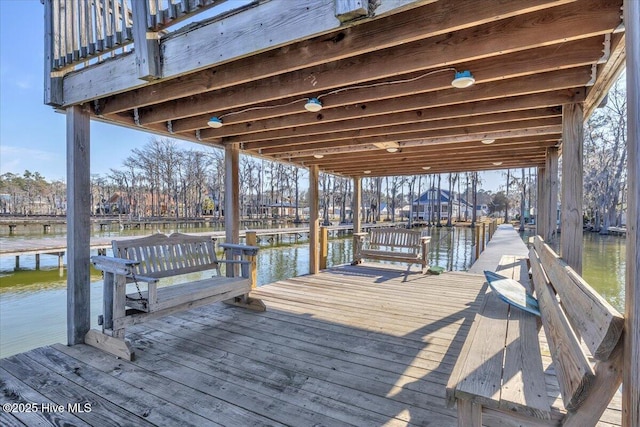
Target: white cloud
x=18, y=159
x=24, y=84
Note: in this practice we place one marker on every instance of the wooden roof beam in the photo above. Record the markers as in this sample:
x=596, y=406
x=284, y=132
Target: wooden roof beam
x=386, y=161
x=412, y=138
x=386, y=125
x=419, y=23
x=394, y=170
x=552, y=81
x=565, y=23
x=518, y=64
x=433, y=153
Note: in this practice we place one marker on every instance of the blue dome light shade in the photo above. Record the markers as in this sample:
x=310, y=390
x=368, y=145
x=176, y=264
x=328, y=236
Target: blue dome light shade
x=215, y=122
x=313, y=105
x=463, y=79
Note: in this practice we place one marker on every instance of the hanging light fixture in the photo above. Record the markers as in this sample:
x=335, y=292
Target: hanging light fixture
x=487, y=141
x=497, y=163
x=390, y=146
x=463, y=79
x=313, y=105
x=215, y=122
x=426, y=168
x=318, y=156
x=367, y=172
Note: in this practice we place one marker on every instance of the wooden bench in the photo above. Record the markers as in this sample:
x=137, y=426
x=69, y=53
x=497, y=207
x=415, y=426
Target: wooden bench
x=499, y=374
x=392, y=244
x=142, y=262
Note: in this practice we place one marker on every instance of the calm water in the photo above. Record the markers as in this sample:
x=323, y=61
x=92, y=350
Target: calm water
x=33, y=303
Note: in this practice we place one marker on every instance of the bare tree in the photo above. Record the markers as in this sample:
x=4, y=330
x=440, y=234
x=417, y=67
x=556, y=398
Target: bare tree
x=605, y=159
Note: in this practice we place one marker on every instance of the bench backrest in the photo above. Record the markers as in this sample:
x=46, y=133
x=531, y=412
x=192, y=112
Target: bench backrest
x=396, y=237
x=163, y=256
x=571, y=309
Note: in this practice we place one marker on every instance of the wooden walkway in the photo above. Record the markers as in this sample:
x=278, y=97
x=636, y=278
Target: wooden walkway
x=362, y=346
x=57, y=245
x=505, y=241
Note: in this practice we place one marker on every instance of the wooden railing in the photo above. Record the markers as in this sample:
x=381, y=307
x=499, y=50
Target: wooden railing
x=79, y=31
x=82, y=30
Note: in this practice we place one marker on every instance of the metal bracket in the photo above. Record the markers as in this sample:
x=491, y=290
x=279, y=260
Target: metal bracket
x=96, y=107
x=594, y=73
x=606, y=52
x=136, y=116
x=170, y=127
x=198, y=135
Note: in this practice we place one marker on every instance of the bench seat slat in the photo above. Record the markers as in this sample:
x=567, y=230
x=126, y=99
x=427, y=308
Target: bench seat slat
x=523, y=380
x=174, y=295
x=483, y=365
x=574, y=371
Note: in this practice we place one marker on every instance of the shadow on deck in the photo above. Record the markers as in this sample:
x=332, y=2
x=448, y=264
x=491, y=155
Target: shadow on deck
x=350, y=346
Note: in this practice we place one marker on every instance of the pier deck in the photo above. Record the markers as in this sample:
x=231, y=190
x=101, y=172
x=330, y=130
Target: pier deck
x=56, y=245
x=350, y=346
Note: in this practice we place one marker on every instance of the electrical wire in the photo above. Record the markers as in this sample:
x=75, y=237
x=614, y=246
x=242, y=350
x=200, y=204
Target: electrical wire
x=336, y=91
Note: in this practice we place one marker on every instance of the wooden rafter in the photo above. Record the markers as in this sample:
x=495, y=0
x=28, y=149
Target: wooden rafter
x=382, y=79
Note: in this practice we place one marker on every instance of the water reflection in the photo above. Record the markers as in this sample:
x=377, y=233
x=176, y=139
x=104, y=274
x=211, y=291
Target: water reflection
x=603, y=266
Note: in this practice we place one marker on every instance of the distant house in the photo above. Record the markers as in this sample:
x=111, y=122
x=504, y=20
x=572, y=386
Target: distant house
x=428, y=202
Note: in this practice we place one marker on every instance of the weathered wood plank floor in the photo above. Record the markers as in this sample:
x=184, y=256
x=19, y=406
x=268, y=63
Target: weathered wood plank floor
x=350, y=346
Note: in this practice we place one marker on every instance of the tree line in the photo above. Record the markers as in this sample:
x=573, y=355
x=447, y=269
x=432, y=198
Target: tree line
x=161, y=179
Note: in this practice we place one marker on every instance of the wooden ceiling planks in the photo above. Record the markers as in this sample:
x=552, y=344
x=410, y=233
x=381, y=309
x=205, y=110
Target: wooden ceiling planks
x=389, y=79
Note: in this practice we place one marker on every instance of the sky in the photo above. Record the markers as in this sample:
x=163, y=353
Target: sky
x=32, y=134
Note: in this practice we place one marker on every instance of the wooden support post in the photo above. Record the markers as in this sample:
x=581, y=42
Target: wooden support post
x=552, y=194
x=231, y=199
x=571, y=228
x=78, y=214
x=314, y=261
x=60, y=260
x=324, y=247
x=484, y=234
x=477, y=236
x=357, y=202
x=146, y=43
x=252, y=240
x=631, y=365
x=12, y=229
x=542, y=221
x=469, y=413
x=17, y=262
x=37, y=261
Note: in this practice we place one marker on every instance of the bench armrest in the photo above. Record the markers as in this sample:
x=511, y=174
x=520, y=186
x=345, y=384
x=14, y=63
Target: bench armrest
x=145, y=279
x=244, y=250
x=114, y=265
x=425, y=239
x=360, y=235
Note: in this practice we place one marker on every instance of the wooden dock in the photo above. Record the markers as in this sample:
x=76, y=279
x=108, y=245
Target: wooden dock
x=58, y=245
x=361, y=345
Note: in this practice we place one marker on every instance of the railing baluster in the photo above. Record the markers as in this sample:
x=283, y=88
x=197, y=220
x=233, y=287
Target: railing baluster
x=184, y=7
x=159, y=14
x=66, y=33
x=91, y=14
x=101, y=29
x=56, y=35
x=112, y=23
x=82, y=15
x=106, y=24
x=83, y=30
